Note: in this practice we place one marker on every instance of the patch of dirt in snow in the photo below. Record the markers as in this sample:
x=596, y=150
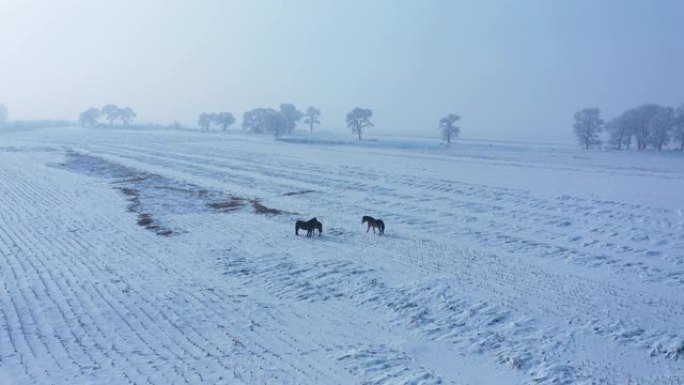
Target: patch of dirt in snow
x=225, y=206
x=287, y=194
x=261, y=209
x=154, y=197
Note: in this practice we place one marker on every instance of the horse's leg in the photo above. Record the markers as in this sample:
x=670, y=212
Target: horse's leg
x=369, y=226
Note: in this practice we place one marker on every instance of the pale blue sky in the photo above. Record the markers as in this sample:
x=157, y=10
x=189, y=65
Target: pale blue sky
x=511, y=69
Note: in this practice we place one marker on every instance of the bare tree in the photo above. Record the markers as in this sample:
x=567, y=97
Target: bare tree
x=588, y=124
x=622, y=128
x=659, y=126
x=277, y=123
x=266, y=121
x=449, y=130
x=678, y=129
x=252, y=120
x=311, y=117
x=291, y=114
x=358, y=119
x=224, y=119
x=204, y=121
x=642, y=123
x=88, y=118
x=126, y=115
x=110, y=112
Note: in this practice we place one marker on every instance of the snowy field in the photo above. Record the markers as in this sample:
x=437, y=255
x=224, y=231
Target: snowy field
x=170, y=258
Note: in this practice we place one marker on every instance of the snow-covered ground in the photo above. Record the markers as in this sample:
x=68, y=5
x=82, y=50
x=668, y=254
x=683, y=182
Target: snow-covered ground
x=147, y=258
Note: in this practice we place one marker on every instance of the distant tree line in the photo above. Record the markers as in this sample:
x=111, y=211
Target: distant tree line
x=110, y=112
x=285, y=119
x=643, y=126
x=262, y=120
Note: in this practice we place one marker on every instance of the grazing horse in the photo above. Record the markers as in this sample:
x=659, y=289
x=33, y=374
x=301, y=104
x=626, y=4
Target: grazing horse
x=374, y=223
x=310, y=225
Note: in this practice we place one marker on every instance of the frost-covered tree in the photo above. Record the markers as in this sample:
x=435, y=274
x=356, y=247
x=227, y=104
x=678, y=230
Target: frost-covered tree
x=622, y=128
x=291, y=114
x=448, y=128
x=110, y=112
x=678, y=128
x=588, y=124
x=204, y=121
x=311, y=117
x=3, y=115
x=224, y=119
x=277, y=123
x=252, y=121
x=358, y=119
x=660, y=125
x=265, y=121
x=88, y=118
x=126, y=115
x=649, y=124
x=642, y=123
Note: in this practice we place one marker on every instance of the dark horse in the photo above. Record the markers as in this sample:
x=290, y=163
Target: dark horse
x=310, y=225
x=374, y=223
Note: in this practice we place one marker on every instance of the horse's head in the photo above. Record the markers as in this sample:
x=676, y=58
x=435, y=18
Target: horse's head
x=365, y=219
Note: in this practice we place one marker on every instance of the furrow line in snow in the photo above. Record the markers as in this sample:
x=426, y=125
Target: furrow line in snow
x=481, y=209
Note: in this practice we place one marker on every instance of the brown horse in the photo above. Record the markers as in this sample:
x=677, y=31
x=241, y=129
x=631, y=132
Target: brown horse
x=374, y=223
x=310, y=225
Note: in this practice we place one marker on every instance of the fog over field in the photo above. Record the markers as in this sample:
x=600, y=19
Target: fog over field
x=512, y=70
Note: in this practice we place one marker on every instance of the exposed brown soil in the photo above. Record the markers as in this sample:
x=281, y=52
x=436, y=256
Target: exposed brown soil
x=147, y=221
x=144, y=219
x=200, y=193
x=228, y=205
x=261, y=209
x=287, y=194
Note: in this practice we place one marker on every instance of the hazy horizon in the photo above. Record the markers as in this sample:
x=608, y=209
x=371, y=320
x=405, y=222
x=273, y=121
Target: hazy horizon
x=512, y=70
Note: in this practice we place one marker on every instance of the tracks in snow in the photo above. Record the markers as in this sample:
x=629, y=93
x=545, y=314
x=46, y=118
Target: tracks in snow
x=442, y=300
